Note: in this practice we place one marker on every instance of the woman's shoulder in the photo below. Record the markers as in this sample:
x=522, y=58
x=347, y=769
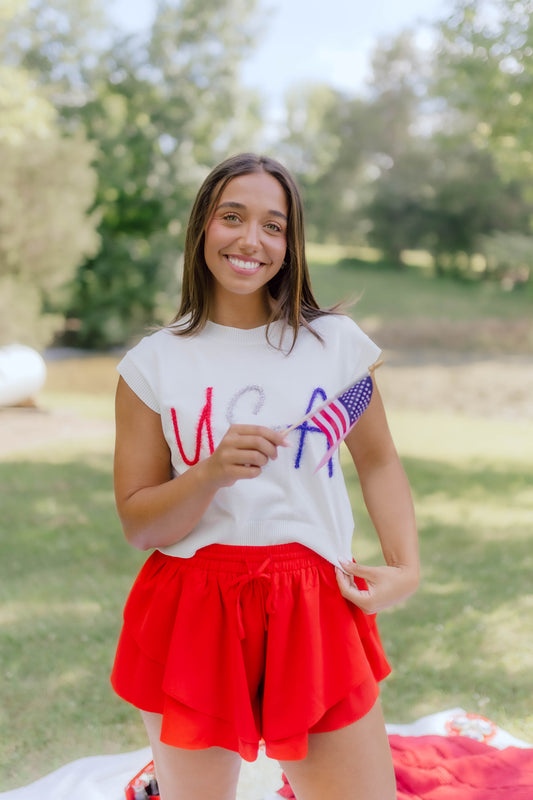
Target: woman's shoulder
x=337, y=325
x=343, y=336
x=152, y=349
x=143, y=343
x=156, y=340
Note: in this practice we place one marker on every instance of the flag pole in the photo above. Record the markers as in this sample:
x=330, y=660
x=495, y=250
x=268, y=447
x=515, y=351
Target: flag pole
x=369, y=371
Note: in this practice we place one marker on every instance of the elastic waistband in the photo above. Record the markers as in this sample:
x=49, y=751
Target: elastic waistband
x=240, y=558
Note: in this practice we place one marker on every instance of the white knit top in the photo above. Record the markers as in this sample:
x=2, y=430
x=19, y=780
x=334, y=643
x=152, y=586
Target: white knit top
x=202, y=384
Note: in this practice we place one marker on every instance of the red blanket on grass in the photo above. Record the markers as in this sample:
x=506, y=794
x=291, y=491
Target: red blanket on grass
x=456, y=768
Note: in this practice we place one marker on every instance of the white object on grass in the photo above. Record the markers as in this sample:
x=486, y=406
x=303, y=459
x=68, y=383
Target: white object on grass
x=22, y=374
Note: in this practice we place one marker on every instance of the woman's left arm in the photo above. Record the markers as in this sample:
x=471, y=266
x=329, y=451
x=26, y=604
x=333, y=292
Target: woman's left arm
x=388, y=499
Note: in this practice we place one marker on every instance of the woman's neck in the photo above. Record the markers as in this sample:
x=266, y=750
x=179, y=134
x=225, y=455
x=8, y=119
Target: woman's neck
x=245, y=312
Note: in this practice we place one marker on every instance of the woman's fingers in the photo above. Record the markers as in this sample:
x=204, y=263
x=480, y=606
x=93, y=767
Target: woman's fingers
x=358, y=596
x=244, y=451
x=379, y=587
x=251, y=439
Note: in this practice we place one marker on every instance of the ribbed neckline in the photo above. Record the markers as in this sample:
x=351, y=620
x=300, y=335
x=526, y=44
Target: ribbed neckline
x=242, y=336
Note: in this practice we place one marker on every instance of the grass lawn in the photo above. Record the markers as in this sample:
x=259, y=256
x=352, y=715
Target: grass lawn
x=466, y=638
x=386, y=294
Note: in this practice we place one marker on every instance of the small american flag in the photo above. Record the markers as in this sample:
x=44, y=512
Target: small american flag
x=338, y=416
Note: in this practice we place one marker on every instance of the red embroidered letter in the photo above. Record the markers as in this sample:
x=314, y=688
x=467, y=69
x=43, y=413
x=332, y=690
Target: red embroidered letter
x=205, y=419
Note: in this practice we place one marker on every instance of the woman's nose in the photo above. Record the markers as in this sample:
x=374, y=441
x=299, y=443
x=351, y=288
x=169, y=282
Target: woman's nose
x=250, y=234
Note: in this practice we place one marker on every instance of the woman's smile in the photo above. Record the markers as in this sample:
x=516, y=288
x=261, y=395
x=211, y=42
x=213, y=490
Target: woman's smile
x=246, y=241
x=244, y=266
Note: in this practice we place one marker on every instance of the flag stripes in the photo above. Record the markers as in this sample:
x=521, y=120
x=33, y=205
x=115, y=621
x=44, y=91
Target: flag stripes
x=338, y=416
x=334, y=421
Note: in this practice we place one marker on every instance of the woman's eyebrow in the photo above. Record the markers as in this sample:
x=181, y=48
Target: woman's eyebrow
x=235, y=204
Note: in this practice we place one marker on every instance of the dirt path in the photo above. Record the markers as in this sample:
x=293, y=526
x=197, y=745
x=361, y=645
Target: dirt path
x=499, y=387
x=24, y=429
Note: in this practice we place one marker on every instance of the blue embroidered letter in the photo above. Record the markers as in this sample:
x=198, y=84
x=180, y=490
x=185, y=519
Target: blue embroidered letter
x=306, y=428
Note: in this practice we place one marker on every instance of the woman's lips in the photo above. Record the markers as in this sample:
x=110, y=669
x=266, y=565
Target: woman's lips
x=244, y=266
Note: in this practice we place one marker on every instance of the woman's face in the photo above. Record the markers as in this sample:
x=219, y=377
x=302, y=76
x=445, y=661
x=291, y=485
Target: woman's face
x=246, y=237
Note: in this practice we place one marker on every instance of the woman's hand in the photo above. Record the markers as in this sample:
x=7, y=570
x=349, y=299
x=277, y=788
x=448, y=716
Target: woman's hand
x=242, y=453
x=386, y=585
x=157, y=509
x=388, y=499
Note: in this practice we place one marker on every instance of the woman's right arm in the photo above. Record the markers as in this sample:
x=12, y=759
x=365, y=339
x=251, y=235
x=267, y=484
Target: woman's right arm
x=155, y=509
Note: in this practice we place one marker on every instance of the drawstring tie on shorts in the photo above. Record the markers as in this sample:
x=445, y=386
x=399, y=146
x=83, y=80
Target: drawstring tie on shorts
x=267, y=607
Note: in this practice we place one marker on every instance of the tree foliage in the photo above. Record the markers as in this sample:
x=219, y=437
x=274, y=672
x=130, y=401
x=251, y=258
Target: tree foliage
x=47, y=187
x=435, y=153
x=442, y=196
x=485, y=73
x=340, y=146
x=160, y=107
x=57, y=43
x=483, y=76
x=320, y=122
x=163, y=110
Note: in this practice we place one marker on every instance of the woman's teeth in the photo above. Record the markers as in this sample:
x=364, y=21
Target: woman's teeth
x=244, y=264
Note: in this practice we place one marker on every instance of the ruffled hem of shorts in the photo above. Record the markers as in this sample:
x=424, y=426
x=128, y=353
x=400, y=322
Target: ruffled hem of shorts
x=320, y=650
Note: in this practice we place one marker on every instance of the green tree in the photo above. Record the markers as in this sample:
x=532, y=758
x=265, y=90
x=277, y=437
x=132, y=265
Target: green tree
x=46, y=189
x=339, y=145
x=397, y=91
x=470, y=200
x=319, y=121
x=165, y=109
x=57, y=43
x=401, y=156
x=161, y=107
x=485, y=78
x=443, y=196
x=439, y=186
x=399, y=211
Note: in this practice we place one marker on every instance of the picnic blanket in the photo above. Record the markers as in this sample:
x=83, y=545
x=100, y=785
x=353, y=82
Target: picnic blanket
x=450, y=755
x=445, y=768
x=459, y=768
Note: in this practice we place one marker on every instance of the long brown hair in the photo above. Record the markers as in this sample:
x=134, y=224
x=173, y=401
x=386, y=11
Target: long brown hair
x=290, y=289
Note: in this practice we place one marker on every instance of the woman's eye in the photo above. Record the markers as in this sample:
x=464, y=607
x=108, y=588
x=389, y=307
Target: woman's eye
x=274, y=227
x=231, y=217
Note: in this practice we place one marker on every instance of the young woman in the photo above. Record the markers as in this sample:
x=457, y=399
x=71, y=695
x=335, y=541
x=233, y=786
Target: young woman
x=249, y=621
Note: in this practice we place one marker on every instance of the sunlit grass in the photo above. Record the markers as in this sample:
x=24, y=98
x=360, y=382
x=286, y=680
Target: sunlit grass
x=65, y=571
x=460, y=438
x=466, y=638
x=388, y=294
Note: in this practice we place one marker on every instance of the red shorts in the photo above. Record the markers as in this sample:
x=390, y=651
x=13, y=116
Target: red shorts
x=239, y=644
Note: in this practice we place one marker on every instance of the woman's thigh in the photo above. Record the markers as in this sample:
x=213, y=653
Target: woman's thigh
x=353, y=763
x=210, y=774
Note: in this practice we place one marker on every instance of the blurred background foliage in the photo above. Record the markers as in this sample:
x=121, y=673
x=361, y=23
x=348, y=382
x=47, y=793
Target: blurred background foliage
x=105, y=137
